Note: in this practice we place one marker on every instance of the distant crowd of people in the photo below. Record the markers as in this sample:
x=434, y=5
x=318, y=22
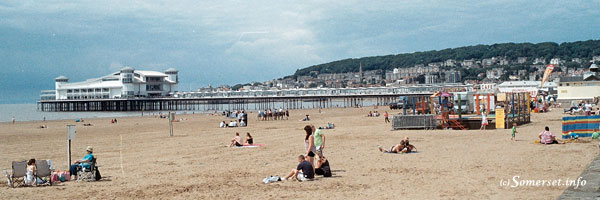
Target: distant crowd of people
x=583, y=108
x=241, y=119
x=275, y=114
x=373, y=114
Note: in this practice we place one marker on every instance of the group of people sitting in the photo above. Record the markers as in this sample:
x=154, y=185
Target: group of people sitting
x=373, y=114
x=232, y=124
x=403, y=147
x=583, y=108
x=276, y=114
x=238, y=142
x=314, y=143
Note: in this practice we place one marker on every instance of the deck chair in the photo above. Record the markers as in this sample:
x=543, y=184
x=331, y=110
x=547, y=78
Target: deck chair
x=19, y=170
x=44, y=169
x=88, y=174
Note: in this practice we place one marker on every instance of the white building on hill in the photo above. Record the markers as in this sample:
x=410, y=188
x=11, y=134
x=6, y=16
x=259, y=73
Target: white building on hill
x=125, y=83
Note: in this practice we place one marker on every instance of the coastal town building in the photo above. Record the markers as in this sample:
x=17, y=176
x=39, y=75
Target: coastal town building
x=494, y=73
x=453, y=76
x=582, y=87
x=125, y=83
x=526, y=86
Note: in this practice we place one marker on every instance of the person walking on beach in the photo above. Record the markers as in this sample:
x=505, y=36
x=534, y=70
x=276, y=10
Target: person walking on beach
x=309, y=144
x=513, y=131
x=387, y=119
x=13, y=120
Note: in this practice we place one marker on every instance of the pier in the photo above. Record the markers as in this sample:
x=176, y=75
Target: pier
x=249, y=100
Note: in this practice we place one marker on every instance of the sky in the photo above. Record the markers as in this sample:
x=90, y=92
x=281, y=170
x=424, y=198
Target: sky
x=230, y=42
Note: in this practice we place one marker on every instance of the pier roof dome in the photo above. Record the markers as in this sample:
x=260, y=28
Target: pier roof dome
x=127, y=69
x=171, y=71
x=61, y=79
x=594, y=67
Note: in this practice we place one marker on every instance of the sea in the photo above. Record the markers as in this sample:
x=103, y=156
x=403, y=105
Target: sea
x=29, y=112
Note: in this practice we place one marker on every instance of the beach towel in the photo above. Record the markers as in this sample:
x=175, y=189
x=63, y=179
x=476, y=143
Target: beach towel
x=258, y=145
x=244, y=146
x=401, y=153
x=271, y=179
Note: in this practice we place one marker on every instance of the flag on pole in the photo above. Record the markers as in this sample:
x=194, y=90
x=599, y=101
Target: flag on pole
x=547, y=73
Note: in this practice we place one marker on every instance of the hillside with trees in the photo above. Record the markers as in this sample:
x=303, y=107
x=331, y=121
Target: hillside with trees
x=547, y=50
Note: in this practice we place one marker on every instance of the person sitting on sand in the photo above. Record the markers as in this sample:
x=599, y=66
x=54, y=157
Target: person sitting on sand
x=303, y=172
x=546, y=137
x=83, y=163
x=323, y=168
x=572, y=135
x=306, y=118
x=330, y=125
x=242, y=123
x=249, y=140
x=232, y=124
x=236, y=141
x=222, y=124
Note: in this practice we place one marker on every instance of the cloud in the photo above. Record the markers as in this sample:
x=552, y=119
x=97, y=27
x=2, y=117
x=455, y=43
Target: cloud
x=228, y=42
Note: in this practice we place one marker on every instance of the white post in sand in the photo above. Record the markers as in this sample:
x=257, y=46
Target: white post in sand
x=171, y=118
x=70, y=136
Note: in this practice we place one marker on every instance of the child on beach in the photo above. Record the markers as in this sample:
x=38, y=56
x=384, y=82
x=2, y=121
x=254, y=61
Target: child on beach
x=513, y=131
x=484, y=121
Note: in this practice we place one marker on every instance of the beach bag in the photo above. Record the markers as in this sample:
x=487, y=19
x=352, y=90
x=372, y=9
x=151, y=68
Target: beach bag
x=54, y=177
x=64, y=176
x=98, y=176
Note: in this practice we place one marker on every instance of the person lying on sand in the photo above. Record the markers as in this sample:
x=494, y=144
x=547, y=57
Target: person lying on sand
x=394, y=149
x=546, y=137
x=303, y=172
x=236, y=141
x=403, y=147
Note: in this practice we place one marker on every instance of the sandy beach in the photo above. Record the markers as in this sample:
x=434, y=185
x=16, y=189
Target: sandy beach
x=139, y=160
